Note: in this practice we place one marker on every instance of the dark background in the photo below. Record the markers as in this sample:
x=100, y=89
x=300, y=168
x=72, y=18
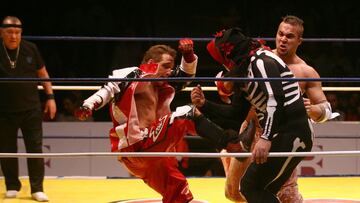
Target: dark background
x=200, y=19
x=122, y=18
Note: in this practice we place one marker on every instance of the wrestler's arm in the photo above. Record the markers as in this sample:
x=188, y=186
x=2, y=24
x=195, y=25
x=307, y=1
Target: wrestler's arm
x=184, y=70
x=316, y=105
x=110, y=89
x=227, y=115
x=50, y=105
x=272, y=91
x=188, y=65
x=105, y=94
x=102, y=96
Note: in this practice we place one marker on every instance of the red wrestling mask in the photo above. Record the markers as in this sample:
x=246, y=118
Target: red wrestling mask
x=230, y=47
x=216, y=54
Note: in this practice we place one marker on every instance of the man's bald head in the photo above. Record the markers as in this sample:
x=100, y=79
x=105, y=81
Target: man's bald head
x=11, y=21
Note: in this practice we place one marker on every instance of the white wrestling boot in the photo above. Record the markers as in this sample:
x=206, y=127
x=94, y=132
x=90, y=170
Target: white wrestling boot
x=40, y=196
x=11, y=194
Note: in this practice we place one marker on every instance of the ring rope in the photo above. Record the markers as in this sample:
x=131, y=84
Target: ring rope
x=205, y=88
x=176, y=79
x=140, y=39
x=175, y=154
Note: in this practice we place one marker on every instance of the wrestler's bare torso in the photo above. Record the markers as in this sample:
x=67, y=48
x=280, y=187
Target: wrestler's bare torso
x=300, y=69
x=146, y=99
x=147, y=95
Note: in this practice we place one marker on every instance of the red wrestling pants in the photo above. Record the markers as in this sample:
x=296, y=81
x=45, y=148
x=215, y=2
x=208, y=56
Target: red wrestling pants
x=162, y=173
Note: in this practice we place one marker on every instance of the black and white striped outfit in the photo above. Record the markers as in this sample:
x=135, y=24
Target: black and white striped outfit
x=284, y=121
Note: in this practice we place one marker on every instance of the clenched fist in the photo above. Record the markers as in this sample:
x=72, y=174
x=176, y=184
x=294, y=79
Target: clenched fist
x=197, y=96
x=186, y=47
x=83, y=113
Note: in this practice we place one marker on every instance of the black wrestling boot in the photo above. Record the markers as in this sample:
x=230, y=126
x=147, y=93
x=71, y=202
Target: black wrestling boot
x=243, y=142
x=244, y=139
x=228, y=139
x=223, y=139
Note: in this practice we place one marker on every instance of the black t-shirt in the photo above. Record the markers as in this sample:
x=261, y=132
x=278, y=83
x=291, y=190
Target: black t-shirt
x=20, y=96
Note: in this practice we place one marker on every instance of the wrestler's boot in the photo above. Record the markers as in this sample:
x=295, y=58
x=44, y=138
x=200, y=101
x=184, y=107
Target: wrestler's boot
x=186, y=111
x=245, y=138
x=228, y=139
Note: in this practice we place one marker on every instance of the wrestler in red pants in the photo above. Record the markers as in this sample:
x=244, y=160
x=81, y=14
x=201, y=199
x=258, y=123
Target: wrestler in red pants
x=162, y=173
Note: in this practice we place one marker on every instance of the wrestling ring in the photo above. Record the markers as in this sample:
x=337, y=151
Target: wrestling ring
x=82, y=172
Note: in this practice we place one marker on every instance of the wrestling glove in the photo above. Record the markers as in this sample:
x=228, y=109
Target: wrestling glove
x=186, y=47
x=83, y=113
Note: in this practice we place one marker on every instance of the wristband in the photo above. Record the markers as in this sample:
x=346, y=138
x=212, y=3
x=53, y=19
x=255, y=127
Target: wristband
x=50, y=96
x=326, y=112
x=189, y=57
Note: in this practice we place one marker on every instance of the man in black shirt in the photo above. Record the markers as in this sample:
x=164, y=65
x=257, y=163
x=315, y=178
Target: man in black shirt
x=20, y=107
x=279, y=105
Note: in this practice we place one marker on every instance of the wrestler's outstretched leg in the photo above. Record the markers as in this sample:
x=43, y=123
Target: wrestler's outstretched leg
x=227, y=139
x=168, y=181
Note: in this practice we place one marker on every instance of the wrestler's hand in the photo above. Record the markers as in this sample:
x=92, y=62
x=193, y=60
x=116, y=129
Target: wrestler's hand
x=261, y=151
x=312, y=110
x=197, y=96
x=50, y=108
x=186, y=47
x=83, y=113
